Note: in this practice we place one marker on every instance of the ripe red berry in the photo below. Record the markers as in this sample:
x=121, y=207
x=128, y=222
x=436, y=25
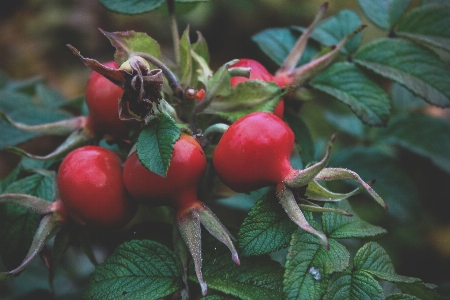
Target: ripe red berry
x=258, y=72
x=102, y=99
x=254, y=152
x=179, y=188
x=91, y=187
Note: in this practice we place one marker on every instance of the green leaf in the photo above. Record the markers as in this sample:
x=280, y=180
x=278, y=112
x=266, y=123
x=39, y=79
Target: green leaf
x=404, y=99
x=266, y=228
x=276, y=43
x=356, y=285
x=131, y=7
x=11, y=100
x=401, y=197
x=373, y=259
x=18, y=225
x=246, y=97
x=139, y=269
x=30, y=115
x=186, y=59
x=338, y=226
x=401, y=297
x=416, y=67
x=348, y=123
x=418, y=133
x=429, y=24
x=200, y=70
x=155, y=145
x=303, y=138
x=309, y=264
x=48, y=97
x=256, y=278
x=384, y=14
x=349, y=85
x=128, y=42
x=332, y=30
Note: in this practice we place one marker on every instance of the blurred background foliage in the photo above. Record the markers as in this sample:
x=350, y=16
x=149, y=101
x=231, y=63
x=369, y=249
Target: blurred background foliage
x=33, y=38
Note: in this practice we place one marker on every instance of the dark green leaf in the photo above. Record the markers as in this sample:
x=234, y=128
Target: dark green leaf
x=266, y=229
x=11, y=100
x=384, y=14
x=246, y=97
x=416, y=67
x=338, y=226
x=349, y=85
x=429, y=24
x=155, y=145
x=186, y=59
x=374, y=260
x=303, y=138
x=309, y=264
x=18, y=225
x=332, y=30
x=200, y=73
x=401, y=197
x=276, y=43
x=348, y=123
x=139, y=269
x=131, y=7
x=30, y=115
x=401, y=297
x=256, y=278
x=404, y=99
x=128, y=42
x=5, y=182
x=356, y=285
x=48, y=97
x=422, y=134
x=372, y=257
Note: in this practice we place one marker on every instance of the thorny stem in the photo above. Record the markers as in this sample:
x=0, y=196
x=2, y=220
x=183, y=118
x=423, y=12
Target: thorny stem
x=292, y=59
x=174, y=27
x=171, y=78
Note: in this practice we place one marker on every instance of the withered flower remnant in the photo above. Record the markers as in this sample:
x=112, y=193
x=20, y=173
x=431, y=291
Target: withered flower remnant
x=142, y=86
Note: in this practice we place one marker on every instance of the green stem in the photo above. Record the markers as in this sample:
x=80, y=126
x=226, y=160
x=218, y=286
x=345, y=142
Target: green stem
x=214, y=129
x=175, y=33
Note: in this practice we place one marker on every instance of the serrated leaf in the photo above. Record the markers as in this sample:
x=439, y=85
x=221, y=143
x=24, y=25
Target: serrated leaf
x=185, y=58
x=309, y=264
x=332, y=30
x=356, y=285
x=266, y=228
x=416, y=67
x=131, y=7
x=419, y=134
x=18, y=225
x=429, y=24
x=303, y=138
x=404, y=99
x=128, y=42
x=155, y=145
x=338, y=226
x=139, y=269
x=373, y=259
x=401, y=197
x=256, y=278
x=246, y=97
x=349, y=85
x=276, y=43
x=384, y=14
x=401, y=297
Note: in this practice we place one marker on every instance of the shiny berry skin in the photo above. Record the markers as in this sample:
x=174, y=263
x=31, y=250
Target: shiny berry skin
x=102, y=99
x=254, y=152
x=258, y=72
x=179, y=188
x=91, y=188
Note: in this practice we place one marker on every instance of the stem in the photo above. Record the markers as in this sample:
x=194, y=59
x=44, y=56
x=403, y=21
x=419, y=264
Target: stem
x=292, y=59
x=34, y=204
x=171, y=78
x=174, y=28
